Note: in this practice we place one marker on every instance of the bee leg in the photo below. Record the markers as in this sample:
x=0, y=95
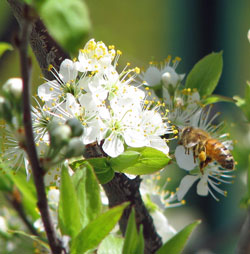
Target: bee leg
x=203, y=159
x=204, y=163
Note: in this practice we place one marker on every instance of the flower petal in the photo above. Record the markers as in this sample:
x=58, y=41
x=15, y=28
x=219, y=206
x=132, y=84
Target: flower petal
x=184, y=161
x=186, y=183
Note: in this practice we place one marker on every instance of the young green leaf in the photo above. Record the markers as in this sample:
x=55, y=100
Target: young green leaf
x=102, y=169
x=125, y=160
x=88, y=193
x=244, y=104
x=214, y=98
x=67, y=21
x=149, y=161
x=69, y=215
x=4, y=46
x=134, y=242
x=91, y=236
x=176, y=244
x=205, y=74
x=27, y=189
x=111, y=245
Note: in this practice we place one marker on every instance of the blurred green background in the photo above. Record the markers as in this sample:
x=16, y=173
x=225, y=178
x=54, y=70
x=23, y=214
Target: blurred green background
x=151, y=30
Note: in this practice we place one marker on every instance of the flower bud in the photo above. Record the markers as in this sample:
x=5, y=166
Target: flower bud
x=74, y=148
x=76, y=127
x=14, y=87
x=60, y=135
x=170, y=77
x=5, y=110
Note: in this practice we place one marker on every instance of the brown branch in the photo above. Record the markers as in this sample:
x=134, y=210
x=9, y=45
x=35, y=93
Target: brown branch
x=37, y=171
x=46, y=49
x=17, y=205
x=120, y=189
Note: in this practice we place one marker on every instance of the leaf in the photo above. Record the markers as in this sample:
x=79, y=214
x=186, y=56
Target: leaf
x=176, y=244
x=67, y=21
x=216, y=98
x=33, y=237
x=91, y=236
x=134, y=242
x=111, y=245
x=125, y=160
x=4, y=46
x=102, y=169
x=28, y=191
x=205, y=74
x=88, y=193
x=149, y=161
x=69, y=211
x=244, y=104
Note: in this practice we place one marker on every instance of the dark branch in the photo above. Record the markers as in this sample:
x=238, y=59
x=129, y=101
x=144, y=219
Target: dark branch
x=37, y=171
x=46, y=49
x=120, y=189
x=17, y=205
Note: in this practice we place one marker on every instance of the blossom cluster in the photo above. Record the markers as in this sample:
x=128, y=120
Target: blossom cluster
x=110, y=108
x=186, y=109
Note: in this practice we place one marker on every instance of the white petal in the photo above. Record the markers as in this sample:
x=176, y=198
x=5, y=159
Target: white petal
x=68, y=70
x=45, y=93
x=159, y=144
x=202, y=187
x=186, y=183
x=152, y=76
x=113, y=146
x=184, y=161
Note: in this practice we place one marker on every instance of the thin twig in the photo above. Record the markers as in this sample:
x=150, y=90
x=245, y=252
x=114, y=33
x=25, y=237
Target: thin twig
x=19, y=209
x=37, y=171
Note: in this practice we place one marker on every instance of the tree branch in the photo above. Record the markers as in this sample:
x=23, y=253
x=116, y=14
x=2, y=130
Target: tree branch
x=17, y=205
x=37, y=171
x=121, y=188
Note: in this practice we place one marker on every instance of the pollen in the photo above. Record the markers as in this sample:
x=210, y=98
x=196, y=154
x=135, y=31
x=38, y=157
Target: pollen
x=50, y=67
x=183, y=202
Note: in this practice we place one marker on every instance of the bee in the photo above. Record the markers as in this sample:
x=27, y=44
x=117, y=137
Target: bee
x=206, y=148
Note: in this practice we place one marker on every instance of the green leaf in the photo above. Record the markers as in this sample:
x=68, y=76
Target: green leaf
x=134, y=242
x=69, y=211
x=88, y=193
x=6, y=184
x=4, y=46
x=176, y=244
x=216, y=98
x=205, y=74
x=149, y=161
x=245, y=201
x=102, y=169
x=67, y=21
x=111, y=245
x=125, y=160
x=91, y=236
x=33, y=237
x=244, y=104
x=28, y=191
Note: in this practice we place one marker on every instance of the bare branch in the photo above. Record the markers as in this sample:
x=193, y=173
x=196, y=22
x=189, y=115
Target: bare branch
x=37, y=171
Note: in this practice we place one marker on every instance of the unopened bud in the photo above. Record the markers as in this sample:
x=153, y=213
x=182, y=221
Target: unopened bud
x=170, y=77
x=74, y=148
x=5, y=110
x=14, y=87
x=60, y=135
x=76, y=127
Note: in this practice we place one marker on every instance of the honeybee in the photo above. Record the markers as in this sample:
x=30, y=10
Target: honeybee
x=206, y=148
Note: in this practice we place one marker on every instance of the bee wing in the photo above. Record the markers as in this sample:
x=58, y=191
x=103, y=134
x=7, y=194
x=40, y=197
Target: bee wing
x=191, y=144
